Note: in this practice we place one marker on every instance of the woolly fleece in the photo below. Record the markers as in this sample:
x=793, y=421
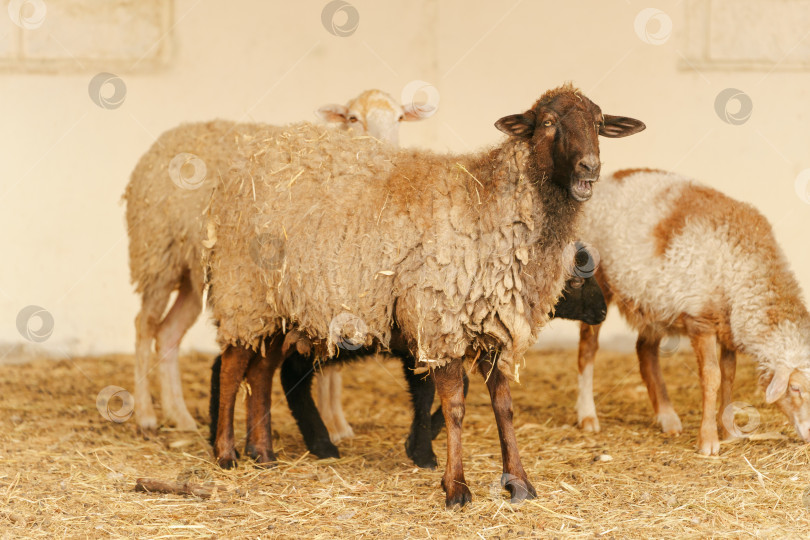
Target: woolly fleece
x=325, y=230
x=670, y=247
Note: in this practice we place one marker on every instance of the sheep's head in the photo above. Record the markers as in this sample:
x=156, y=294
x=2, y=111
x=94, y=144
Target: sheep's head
x=376, y=113
x=562, y=128
x=790, y=389
x=582, y=300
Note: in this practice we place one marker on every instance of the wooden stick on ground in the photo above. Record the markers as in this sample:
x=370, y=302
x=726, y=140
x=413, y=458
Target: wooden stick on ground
x=153, y=485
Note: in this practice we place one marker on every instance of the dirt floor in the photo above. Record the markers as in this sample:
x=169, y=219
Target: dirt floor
x=67, y=471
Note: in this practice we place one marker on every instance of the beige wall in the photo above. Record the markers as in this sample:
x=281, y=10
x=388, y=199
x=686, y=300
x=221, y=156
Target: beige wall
x=66, y=160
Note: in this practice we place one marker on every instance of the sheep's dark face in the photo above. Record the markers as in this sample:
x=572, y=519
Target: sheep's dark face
x=563, y=129
x=582, y=300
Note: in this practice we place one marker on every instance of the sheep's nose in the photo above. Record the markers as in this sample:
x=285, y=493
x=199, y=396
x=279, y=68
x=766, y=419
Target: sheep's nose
x=589, y=164
x=804, y=431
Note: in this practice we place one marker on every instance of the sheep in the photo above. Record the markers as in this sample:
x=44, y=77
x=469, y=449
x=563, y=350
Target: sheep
x=581, y=300
x=376, y=113
x=463, y=253
x=680, y=258
x=166, y=227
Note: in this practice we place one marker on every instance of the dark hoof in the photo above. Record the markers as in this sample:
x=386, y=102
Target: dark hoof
x=263, y=458
x=266, y=463
x=520, y=489
x=425, y=462
x=422, y=458
x=459, y=495
x=227, y=462
x=324, y=450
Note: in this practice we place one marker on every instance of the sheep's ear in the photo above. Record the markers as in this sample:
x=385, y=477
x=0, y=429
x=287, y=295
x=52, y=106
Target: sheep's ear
x=517, y=125
x=412, y=113
x=778, y=385
x=332, y=113
x=620, y=126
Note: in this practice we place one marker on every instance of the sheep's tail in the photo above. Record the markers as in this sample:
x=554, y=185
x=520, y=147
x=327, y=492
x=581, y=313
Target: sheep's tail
x=213, y=403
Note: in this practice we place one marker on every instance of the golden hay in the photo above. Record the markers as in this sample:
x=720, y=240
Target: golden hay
x=66, y=471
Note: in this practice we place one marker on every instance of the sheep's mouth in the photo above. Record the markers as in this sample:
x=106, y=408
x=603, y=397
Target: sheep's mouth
x=581, y=189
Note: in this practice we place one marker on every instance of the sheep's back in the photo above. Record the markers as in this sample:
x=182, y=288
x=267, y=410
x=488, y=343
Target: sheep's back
x=165, y=220
x=670, y=246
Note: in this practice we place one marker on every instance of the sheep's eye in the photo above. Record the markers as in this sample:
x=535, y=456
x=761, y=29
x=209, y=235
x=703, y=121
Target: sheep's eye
x=795, y=388
x=353, y=119
x=576, y=283
x=401, y=117
x=548, y=123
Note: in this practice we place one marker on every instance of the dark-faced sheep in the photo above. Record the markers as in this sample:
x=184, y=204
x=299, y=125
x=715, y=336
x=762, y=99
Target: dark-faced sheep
x=679, y=258
x=165, y=209
x=464, y=253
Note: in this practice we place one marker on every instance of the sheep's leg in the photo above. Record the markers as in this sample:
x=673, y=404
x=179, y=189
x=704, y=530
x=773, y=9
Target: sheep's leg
x=260, y=371
x=153, y=304
x=235, y=361
x=419, y=445
x=449, y=386
x=437, y=418
x=213, y=400
x=705, y=346
x=323, y=377
x=296, y=379
x=344, y=430
x=588, y=345
x=174, y=326
x=650, y=367
x=728, y=369
x=514, y=478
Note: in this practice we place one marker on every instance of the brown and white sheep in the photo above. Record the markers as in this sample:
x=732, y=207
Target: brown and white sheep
x=463, y=253
x=165, y=207
x=679, y=258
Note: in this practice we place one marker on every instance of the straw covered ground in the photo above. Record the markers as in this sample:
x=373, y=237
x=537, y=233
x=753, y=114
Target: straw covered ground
x=67, y=471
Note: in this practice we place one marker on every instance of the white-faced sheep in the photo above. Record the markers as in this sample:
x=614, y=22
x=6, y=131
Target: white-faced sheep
x=165, y=208
x=679, y=258
x=463, y=253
